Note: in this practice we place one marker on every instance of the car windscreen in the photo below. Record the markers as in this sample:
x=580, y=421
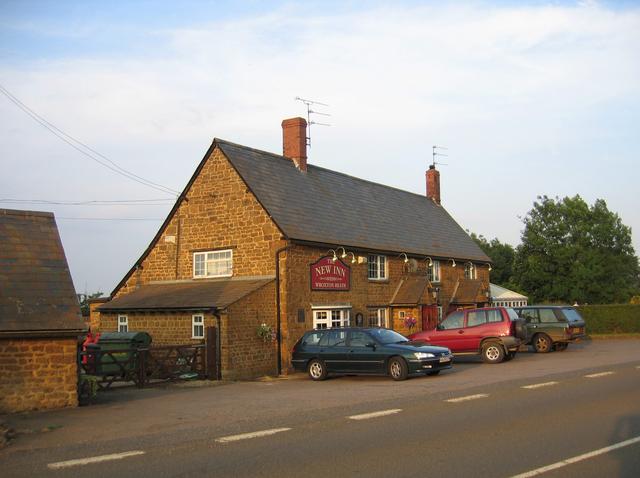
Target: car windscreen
x=386, y=336
x=512, y=313
x=572, y=315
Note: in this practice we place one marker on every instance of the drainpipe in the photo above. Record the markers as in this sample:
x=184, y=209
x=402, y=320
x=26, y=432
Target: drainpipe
x=278, y=333
x=218, y=346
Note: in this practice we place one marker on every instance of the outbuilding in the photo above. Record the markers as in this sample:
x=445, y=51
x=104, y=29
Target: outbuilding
x=265, y=246
x=40, y=317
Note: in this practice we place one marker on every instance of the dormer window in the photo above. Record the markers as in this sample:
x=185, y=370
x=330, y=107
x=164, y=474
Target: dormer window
x=213, y=264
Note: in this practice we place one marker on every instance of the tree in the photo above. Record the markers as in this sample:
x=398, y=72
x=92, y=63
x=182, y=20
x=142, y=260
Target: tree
x=84, y=302
x=502, y=255
x=571, y=251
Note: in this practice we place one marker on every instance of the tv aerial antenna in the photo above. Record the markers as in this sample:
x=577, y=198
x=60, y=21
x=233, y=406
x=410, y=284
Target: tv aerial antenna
x=311, y=104
x=435, y=154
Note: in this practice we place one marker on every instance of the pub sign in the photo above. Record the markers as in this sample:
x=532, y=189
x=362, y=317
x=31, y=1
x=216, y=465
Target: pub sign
x=327, y=274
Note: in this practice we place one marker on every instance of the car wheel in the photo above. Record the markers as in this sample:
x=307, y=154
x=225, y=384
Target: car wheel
x=398, y=368
x=317, y=370
x=492, y=352
x=433, y=372
x=541, y=343
x=560, y=346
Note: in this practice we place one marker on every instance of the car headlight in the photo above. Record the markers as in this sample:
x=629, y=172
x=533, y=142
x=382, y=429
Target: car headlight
x=423, y=355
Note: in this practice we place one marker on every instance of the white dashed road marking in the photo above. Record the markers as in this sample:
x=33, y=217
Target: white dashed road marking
x=539, y=385
x=468, y=397
x=246, y=436
x=576, y=459
x=382, y=413
x=93, y=459
x=596, y=375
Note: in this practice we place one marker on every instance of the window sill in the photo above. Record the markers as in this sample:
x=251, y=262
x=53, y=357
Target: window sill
x=213, y=277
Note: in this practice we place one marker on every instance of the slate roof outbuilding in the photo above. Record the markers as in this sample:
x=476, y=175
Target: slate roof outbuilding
x=196, y=294
x=36, y=289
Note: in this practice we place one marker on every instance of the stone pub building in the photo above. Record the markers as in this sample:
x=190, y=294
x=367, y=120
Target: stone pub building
x=265, y=246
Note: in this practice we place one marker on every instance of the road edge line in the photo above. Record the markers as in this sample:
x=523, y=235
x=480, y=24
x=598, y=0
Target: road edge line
x=576, y=459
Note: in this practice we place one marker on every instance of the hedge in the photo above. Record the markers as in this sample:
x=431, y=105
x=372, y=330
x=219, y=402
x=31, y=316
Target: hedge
x=611, y=319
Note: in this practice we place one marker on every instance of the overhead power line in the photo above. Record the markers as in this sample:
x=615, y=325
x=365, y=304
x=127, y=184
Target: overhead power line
x=121, y=202
x=109, y=218
x=83, y=148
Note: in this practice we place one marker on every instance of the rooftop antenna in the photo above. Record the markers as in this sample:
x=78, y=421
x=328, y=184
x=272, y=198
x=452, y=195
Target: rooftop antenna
x=436, y=153
x=309, y=103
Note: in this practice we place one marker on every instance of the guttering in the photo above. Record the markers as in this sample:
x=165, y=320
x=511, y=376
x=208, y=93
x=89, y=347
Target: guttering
x=40, y=334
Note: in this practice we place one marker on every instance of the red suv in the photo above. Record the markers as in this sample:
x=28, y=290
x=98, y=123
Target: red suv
x=493, y=332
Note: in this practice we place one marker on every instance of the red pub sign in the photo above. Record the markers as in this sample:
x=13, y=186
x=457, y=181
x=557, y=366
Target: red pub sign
x=327, y=274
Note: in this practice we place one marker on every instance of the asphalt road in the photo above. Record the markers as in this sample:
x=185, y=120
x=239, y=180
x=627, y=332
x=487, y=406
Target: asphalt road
x=583, y=401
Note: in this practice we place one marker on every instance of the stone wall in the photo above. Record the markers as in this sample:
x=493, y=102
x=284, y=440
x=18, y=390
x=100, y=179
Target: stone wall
x=245, y=355
x=37, y=374
x=165, y=328
x=364, y=294
x=219, y=212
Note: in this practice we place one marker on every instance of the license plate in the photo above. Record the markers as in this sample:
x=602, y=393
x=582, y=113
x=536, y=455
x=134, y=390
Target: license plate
x=445, y=359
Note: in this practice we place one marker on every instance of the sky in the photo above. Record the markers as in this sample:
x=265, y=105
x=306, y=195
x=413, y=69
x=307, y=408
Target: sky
x=529, y=98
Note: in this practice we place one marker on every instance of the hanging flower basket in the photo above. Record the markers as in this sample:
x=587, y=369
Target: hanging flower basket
x=265, y=332
x=410, y=322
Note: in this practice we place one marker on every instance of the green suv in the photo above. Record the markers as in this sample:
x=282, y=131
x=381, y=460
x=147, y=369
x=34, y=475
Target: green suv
x=552, y=327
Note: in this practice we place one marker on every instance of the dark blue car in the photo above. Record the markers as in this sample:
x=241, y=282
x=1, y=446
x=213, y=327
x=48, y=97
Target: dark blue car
x=366, y=351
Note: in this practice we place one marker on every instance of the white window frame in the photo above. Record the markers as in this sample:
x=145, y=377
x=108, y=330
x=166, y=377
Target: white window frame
x=379, y=273
x=123, y=323
x=330, y=318
x=472, y=269
x=433, y=272
x=380, y=318
x=197, y=320
x=210, y=261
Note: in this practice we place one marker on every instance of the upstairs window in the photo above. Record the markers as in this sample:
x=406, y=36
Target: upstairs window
x=433, y=271
x=213, y=264
x=377, y=267
x=470, y=271
x=123, y=323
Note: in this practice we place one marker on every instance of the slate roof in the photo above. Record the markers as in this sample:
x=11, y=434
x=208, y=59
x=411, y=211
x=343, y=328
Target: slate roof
x=467, y=291
x=36, y=290
x=192, y=294
x=328, y=207
x=410, y=290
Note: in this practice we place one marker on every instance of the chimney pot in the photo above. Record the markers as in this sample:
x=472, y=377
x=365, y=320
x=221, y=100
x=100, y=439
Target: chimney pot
x=294, y=141
x=433, y=184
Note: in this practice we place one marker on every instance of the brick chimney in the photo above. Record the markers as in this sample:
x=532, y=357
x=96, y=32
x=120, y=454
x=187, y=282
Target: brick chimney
x=433, y=184
x=294, y=141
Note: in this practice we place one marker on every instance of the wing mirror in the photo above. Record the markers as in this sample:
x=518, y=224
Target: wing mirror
x=439, y=327
x=371, y=345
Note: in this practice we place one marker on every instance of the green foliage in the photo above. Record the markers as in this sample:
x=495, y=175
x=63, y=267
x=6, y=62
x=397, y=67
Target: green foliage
x=503, y=256
x=611, y=319
x=84, y=302
x=571, y=251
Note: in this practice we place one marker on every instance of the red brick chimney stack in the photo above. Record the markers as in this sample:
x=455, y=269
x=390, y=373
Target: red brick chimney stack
x=294, y=141
x=433, y=184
